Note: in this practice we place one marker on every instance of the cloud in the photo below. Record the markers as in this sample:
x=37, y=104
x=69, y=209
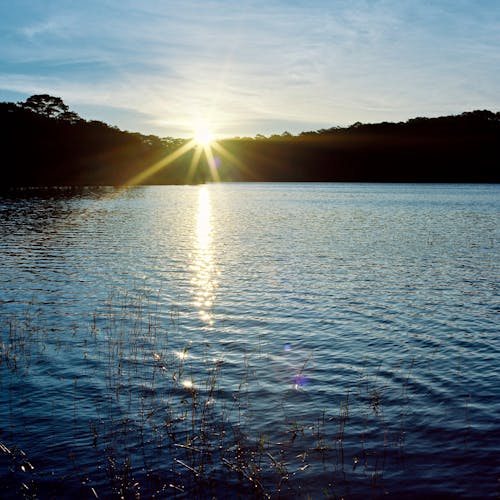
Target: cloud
x=256, y=62
x=40, y=28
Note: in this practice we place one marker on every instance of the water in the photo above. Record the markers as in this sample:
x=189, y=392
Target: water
x=281, y=339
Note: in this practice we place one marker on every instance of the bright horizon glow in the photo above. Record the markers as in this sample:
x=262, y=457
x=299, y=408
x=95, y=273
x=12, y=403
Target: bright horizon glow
x=203, y=135
x=202, y=144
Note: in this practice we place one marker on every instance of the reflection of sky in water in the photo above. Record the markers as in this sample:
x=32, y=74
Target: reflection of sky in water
x=204, y=273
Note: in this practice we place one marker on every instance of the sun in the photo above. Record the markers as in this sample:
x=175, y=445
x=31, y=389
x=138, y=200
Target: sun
x=203, y=142
x=203, y=135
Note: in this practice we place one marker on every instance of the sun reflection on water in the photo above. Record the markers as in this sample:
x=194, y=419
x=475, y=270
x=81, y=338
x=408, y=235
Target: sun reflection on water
x=204, y=279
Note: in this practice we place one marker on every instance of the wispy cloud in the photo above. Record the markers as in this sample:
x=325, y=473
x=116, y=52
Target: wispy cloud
x=272, y=62
x=49, y=26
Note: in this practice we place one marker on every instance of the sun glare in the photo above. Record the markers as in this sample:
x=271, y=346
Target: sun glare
x=203, y=136
x=202, y=143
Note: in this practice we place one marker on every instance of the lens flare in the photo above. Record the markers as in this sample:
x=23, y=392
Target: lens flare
x=203, y=143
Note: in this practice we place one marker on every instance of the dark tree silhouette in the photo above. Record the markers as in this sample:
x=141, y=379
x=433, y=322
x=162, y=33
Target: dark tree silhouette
x=43, y=142
x=49, y=107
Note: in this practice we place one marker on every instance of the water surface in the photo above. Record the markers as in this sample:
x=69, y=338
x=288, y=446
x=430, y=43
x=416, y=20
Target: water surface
x=352, y=328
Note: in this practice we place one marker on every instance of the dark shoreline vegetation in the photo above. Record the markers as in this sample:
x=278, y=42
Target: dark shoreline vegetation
x=44, y=144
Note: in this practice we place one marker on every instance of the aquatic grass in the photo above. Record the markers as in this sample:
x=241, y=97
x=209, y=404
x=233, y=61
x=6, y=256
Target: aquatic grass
x=143, y=401
x=154, y=415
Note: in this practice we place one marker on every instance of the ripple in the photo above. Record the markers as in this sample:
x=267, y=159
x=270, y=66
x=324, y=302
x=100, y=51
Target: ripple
x=333, y=322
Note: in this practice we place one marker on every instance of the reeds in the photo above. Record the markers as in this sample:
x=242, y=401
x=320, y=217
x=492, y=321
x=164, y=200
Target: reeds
x=154, y=415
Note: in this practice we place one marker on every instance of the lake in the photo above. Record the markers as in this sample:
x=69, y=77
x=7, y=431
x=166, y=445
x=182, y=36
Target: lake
x=332, y=340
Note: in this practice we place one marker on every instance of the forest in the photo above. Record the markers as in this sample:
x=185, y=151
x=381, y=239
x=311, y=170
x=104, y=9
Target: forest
x=44, y=143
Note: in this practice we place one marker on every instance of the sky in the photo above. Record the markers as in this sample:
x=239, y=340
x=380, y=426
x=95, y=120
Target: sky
x=254, y=66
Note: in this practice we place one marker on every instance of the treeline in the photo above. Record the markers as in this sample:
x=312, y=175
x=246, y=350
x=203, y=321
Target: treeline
x=44, y=143
x=461, y=148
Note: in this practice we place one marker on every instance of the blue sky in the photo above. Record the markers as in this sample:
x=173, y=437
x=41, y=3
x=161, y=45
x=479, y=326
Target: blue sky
x=248, y=67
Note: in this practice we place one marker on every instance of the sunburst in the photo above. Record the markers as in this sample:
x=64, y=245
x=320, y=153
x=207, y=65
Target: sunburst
x=203, y=143
x=203, y=135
